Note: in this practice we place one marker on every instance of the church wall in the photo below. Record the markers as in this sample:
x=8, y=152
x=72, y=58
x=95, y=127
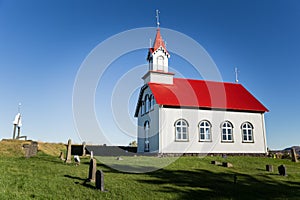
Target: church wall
x=169, y=116
x=152, y=117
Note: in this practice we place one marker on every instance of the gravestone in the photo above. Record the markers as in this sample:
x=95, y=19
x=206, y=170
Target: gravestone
x=269, y=168
x=92, y=170
x=100, y=180
x=30, y=149
x=69, y=148
x=83, y=149
x=216, y=162
x=119, y=158
x=294, y=155
x=227, y=164
x=282, y=170
x=33, y=148
x=92, y=154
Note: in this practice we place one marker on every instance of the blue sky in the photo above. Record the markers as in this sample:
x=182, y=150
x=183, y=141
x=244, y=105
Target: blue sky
x=43, y=44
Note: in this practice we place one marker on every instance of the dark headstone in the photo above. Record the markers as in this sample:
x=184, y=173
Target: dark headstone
x=269, y=168
x=92, y=170
x=282, y=170
x=227, y=164
x=69, y=149
x=100, y=180
x=294, y=155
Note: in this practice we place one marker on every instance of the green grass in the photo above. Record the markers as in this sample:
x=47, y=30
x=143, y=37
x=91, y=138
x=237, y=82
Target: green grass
x=47, y=177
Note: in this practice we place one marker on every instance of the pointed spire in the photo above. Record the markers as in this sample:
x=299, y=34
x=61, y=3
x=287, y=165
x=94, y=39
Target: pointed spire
x=159, y=41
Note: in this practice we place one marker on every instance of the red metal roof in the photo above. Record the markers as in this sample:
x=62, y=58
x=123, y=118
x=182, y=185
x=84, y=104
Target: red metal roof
x=206, y=94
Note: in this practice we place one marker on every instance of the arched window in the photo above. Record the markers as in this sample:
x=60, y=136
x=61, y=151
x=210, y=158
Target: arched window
x=146, y=130
x=181, y=130
x=142, y=108
x=204, y=131
x=160, y=63
x=152, y=102
x=247, y=131
x=227, y=132
x=147, y=103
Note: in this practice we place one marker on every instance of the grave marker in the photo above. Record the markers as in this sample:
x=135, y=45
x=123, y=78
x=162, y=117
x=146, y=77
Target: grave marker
x=294, y=155
x=69, y=147
x=100, y=180
x=92, y=170
x=83, y=149
x=269, y=168
x=282, y=170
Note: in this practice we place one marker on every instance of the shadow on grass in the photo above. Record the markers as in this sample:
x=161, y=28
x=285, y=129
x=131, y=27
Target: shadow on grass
x=207, y=184
x=82, y=181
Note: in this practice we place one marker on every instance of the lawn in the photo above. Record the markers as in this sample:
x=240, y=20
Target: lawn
x=47, y=177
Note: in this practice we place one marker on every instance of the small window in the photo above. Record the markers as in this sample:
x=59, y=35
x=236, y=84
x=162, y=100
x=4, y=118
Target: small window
x=227, y=132
x=204, y=131
x=160, y=63
x=247, y=132
x=152, y=102
x=147, y=103
x=181, y=130
x=142, y=108
x=146, y=129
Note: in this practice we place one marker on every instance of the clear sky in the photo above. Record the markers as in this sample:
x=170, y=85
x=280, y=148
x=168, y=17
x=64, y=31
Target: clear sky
x=43, y=44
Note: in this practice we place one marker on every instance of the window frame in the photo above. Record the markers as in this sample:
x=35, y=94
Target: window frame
x=200, y=127
x=231, y=127
x=249, y=128
x=160, y=59
x=152, y=102
x=147, y=103
x=181, y=133
x=146, y=139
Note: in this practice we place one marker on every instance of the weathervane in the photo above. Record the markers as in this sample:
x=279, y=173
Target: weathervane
x=157, y=18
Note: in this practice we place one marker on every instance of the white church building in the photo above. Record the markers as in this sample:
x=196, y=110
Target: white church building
x=185, y=116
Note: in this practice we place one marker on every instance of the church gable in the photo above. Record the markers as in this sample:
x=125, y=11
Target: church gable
x=146, y=101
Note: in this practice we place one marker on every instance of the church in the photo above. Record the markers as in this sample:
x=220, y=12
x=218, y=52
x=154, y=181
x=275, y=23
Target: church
x=186, y=116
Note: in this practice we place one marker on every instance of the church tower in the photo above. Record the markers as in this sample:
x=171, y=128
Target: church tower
x=158, y=60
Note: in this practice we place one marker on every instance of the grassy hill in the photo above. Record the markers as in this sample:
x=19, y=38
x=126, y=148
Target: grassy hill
x=47, y=177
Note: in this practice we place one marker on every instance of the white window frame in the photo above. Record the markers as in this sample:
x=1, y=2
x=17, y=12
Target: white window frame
x=247, y=130
x=205, y=130
x=181, y=130
x=147, y=103
x=227, y=131
x=142, y=108
x=146, y=139
x=160, y=63
x=152, y=102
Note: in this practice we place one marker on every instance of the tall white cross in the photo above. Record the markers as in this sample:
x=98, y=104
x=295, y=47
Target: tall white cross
x=157, y=18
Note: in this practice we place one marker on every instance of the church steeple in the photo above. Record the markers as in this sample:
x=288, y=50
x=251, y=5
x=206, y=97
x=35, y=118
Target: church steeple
x=158, y=55
x=158, y=60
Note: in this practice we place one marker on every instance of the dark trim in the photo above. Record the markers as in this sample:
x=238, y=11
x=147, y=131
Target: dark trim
x=215, y=109
x=137, y=108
